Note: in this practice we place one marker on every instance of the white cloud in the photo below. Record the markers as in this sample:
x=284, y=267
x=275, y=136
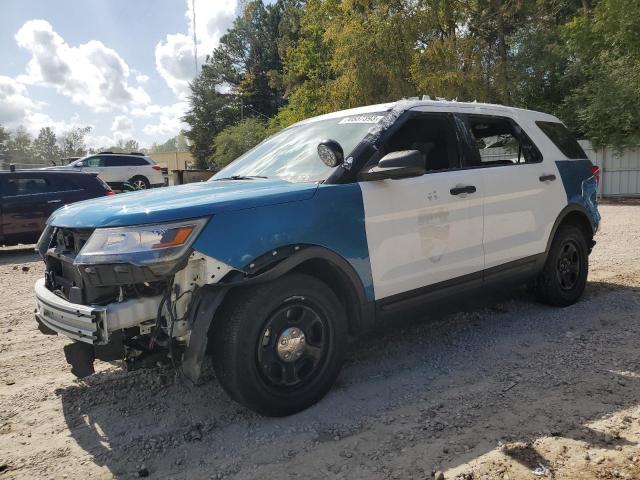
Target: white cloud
x=167, y=118
x=122, y=127
x=15, y=104
x=91, y=74
x=141, y=78
x=174, y=54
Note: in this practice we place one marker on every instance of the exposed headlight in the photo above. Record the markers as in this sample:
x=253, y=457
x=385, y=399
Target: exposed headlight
x=143, y=245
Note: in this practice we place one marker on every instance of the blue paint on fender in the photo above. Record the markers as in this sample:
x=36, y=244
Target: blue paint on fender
x=580, y=186
x=333, y=218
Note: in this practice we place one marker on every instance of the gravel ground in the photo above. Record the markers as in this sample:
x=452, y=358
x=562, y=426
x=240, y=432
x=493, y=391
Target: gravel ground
x=494, y=391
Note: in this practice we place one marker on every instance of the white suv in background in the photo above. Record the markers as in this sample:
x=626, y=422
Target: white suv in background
x=116, y=169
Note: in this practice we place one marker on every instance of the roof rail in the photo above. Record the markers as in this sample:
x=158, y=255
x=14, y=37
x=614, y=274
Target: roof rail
x=99, y=153
x=136, y=153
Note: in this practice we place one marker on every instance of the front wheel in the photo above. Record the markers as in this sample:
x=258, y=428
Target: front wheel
x=565, y=273
x=278, y=347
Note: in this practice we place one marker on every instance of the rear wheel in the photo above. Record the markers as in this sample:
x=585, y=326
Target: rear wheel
x=139, y=182
x=278, y=347
x=565, y=273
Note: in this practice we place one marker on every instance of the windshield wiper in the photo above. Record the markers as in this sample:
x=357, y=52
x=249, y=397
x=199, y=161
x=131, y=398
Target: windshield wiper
x=240, y=177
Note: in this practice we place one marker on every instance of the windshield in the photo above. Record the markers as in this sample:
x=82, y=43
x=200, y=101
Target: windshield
x=292, y=153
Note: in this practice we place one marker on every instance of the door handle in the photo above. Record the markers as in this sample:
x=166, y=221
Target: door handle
x=547, y=178
x=461, y=190
x=54, y=201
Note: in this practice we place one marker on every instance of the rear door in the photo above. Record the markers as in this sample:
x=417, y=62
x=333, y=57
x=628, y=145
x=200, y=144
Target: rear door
x=118, y=169
x=424, y=231
x=521, y=194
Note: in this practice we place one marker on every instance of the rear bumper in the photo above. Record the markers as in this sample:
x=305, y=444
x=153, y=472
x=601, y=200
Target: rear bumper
x=91, y=323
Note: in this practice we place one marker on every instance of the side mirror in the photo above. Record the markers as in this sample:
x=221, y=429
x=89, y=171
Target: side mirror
x=330, y=152
x=402, y=164
x=78, y=164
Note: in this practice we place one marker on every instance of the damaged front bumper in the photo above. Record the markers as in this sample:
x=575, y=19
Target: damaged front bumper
x=91, y=324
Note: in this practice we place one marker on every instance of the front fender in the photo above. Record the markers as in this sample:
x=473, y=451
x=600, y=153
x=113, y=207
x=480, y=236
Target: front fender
x=333, y=220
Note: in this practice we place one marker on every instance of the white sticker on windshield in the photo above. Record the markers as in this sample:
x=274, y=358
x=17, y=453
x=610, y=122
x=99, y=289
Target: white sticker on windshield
x=362, y=119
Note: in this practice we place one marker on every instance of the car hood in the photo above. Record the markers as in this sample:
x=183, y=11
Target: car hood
x=180, y=202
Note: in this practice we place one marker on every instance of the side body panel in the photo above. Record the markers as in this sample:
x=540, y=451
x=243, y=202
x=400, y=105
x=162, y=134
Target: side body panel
x=333, y=218
x=580, y=186
x=519, y=210
x=419, y=233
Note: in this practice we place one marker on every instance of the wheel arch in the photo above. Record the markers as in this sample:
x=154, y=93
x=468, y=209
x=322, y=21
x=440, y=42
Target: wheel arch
x=578, y=216
x=322, y=263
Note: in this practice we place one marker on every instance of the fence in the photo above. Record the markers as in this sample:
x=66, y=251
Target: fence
x=619, y=170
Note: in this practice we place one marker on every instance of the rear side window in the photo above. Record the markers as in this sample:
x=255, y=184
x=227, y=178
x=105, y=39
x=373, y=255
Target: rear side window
x=114, y=161
x=62, y=183
x=136, y=162
x=500, y=141
x=562, y=139
x=16, y=186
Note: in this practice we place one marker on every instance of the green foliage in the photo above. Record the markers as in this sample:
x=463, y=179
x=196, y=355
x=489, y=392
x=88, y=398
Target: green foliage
x=605, y=65
x=578, y=59
x=72, y=142
x=20, y=143
x=45, y=148
x=5, y=137
x=235, y=140
x=174, y=144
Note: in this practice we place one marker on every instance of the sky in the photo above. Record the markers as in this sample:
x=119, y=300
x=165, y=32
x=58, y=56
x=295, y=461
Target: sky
x=120, y=66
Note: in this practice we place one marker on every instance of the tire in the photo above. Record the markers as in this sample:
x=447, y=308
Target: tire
x=565, y=272
x=140, y=182
x=248, y=338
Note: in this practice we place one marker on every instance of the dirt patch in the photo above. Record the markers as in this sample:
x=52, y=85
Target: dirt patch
x=506, y=389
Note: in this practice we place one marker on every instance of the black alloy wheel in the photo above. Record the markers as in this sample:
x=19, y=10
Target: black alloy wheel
x=293, y=344
x=564, y=276
x=568, y=265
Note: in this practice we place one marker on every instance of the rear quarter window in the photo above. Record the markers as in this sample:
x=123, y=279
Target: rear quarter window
x=136, y=162
x=562, y=139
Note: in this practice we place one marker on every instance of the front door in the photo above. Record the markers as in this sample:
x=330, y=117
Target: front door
x=428, y=229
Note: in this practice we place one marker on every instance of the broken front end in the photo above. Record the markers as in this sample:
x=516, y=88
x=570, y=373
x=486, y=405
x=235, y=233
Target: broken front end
x=132, y=293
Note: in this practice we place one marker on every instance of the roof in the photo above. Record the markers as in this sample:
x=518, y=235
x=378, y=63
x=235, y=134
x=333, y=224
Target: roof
x=436, y=105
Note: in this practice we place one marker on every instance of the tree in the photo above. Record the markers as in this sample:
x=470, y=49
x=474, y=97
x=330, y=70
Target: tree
x=209, y=113
x=174, y=144
x=604, y=53
x=45, y=148
x=248, y=57
x=20, y=145
x=235, y=140
x=72, y=142
x=5, y=139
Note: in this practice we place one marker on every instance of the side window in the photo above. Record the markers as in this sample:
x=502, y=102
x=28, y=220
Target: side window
x=135, y=162
x=94, y=162
x=500, y=141
x=60, y=183
x=115, y=161
x=431, y=134
x=17, y=186
x=562, y=139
